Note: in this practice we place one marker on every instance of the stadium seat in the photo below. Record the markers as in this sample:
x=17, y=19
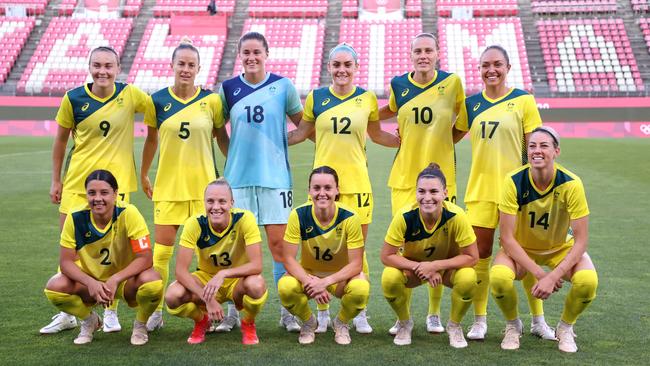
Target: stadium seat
x=13, y=35
x=287, y=8
x=479, y=8
x=573, y=6
x=32, y=7
x=165, y=8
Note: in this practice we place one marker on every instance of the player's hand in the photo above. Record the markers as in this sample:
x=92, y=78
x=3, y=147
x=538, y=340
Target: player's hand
x=215, y=311
x=435, y=279
x=146, y=186
x=211, y=288
x=323, y=298
x=545, y=287
x=315, y=286
x=55, y=192
x=426, y=270
x=110, y=287
x=98, y=292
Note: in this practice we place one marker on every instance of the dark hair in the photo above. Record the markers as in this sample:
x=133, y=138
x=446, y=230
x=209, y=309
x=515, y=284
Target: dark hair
x=425, y=35
x=104, y=49
x=104, y=176
x=256, y=36
x=433, y=171
x=500, y=49
x=186, y=44
x=325, y=170
x=551, y=132
x=220, y=182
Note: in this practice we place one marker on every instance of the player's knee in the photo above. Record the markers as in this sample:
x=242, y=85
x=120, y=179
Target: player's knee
x=173, y=295
x=501, y=280
x=287, y=287
x=392, y=281
x=149, y=275
x=584, y=284
x=59, y=283
x=464, y=283
x=358, y=291
x=254, y=286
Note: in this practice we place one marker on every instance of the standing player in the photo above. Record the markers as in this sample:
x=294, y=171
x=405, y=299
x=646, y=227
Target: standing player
x=544, y=222
x=99, y=116
x=430, y=241
x=111, y=241
x=426, y=102
x=499, y=120
x=257, y=104
x=227, y=245
x=341, y=114
x=331, y=258
x=185, y=117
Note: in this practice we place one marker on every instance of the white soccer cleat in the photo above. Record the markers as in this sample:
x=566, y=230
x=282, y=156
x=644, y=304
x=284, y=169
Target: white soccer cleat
x=511, y=336
x=61, y=321
x=477, y=331
x=324, y=321
x=140, y=336
x=360, y=323
x=434, y=325
x=88, y=326
x=456, y=337
x=308, y=331
x=404, y=330
x=542, y=330
x=111, y=321
x=341, y=332
x=566, y=338
x=229, y=322
x=155, y=321
x=394, y=329
x=289, y=322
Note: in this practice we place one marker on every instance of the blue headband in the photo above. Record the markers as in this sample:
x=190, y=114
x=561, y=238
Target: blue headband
x=345, y=48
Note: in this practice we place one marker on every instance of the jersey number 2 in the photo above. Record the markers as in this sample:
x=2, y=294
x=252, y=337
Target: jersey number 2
x=106, y=253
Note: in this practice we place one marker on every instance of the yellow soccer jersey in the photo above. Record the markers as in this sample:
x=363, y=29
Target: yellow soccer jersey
x=324, y=249
x=543, y=217
x=497, y=128
x=227, y=249
x=425, y=115
x=452, y=232
x=186, y=161
x=104, y=252
x=102, y=132
x=341, y=125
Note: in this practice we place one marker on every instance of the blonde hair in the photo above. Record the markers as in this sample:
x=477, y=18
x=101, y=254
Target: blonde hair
x=186, y=44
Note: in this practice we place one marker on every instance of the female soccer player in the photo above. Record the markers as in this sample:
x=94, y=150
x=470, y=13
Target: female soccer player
x=499, y=120
x=341, y=114
x=111, y=241
x=430, y=241
x=331, y=247
x=99, y=116
x=257, y=104
x=185, y=117
x=426, y=102
x=543, y=222
x=227, y=245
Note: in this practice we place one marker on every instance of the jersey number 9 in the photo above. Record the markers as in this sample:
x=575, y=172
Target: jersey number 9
x=105, y=126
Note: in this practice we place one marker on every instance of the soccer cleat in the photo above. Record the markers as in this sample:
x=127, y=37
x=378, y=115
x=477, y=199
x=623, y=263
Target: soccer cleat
x=456, y=337
x=394, y=329
x=248, y=333
x=477, y=331
x=88, y=326
x=155, y=321
x=360, y=323
x=404, y=329
x=111, y=322
x=140, y=336
x=511, y=336
x=566, y=338
x=542, y=330
x=198, y=333
x=324, y=321
x=434, y=325
x=308, y=331
x=227, y=324
x=61, y=321
x=341, y=332
x=288, y=321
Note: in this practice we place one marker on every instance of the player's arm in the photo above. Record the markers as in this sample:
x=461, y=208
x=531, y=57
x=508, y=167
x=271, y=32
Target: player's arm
x=96, y=289
x=353, y=268
x=223, y=140
x=468, y=257
x=390, y=257
x=457, y=134
x=148, y=152
x=303, y=131
x=295, y=118
x=58, y=153
x=253, y=267
x=385, y=113
x=183, y=275
x=294, y=268
x=512, y=247
x=381, y=137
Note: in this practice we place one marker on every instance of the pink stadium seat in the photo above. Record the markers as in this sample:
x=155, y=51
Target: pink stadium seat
x=165, y=8
x=573, y=6
x=287, y=8
x=32, y=7
x=479, y=8
x=13, y=35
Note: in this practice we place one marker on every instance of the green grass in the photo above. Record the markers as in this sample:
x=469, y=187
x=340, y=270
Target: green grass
x=614, y=330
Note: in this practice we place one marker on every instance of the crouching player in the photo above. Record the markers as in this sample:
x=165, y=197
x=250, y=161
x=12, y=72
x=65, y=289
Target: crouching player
x=227, y=244
x=429, y=241
x=543, y=222
x=115, y=261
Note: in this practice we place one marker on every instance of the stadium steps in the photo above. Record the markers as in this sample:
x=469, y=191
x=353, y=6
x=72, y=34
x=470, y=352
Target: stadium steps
x=429, y=17
x=132, y=44
x=332, y=33
x=637, y=42
x=235, y=28
x=52, y=9
x=534, y=50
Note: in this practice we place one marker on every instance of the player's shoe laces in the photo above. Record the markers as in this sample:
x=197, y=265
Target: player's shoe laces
x=324, y=321
x=403, y=334
x=140, y=336
x=434, y=325
x=229, y=321
x=511, y=336
x=288, y=321
x=566, y=338
x=394, y=329
x=477, y=331
x=360, y=323
x=61, y=321
x=341, y=332
x=456, y=337
x=198, y=333
x=249, y=333
x=542, y=330
x=308, y=331
x=155, y=321
x=111, y=322
x=88, y=326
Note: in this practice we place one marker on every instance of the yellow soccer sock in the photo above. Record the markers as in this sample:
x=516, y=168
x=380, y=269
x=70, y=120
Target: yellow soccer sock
x=535, y=305
x=583, y=291
x=148, y=297
x=252, y=307
x=502, y=285
x=463, y=290
x=187, y=310
x=162, y=254
x=393, y=283
x=354, y=299
x=480, y=301
x=322, y=307
x=293, y=297
x=71, y=304
x=435, y=298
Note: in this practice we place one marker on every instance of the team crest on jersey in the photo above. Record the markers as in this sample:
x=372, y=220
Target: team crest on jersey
x=203, y=104
x=339, y=232
x=476, y=106
x=556, y=194
x=236, y=92
x=359, y=101
x=272, y=90
x=405, y=92
x=233, y=234
x=85, y=107
x=441, y=90
x=309, y=229
x=325, y=102
x=119, y=101
x=510, y=107
x=168, y=106
x=445, y=230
